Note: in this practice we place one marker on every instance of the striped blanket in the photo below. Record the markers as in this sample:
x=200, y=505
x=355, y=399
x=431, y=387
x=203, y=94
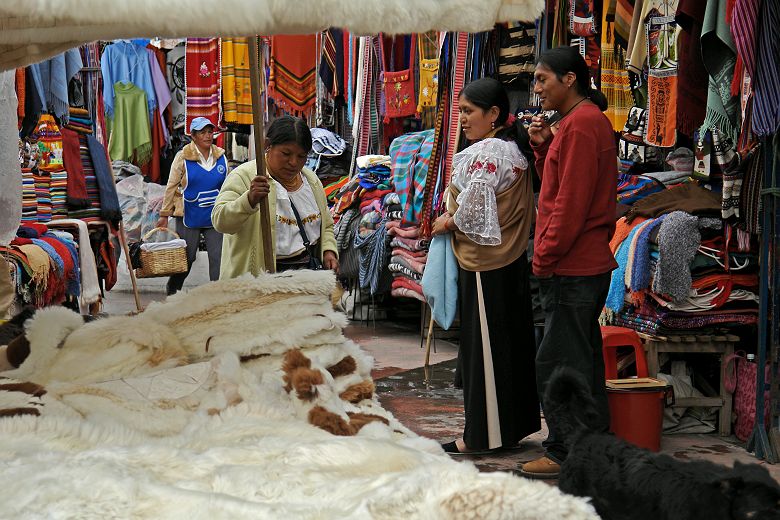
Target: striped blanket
x=203, y=79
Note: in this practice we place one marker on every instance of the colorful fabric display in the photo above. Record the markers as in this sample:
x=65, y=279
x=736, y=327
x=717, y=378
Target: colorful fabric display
x=51, y=78
x=410, y=158
x=292, y=82
x=29, y=199
x=632, y=188
x=131, y=137
x=516, y=57
x=661, y=36
x=203, y=81
x=236, y=91
x=58, y=190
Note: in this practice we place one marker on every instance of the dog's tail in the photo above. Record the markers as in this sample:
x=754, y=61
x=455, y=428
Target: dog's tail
x=568, y=404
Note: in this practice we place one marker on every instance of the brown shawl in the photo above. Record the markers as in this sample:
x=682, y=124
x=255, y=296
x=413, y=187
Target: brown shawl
x=515, y=216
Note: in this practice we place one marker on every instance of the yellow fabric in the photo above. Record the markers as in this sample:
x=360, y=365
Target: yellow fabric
x=236, y=93
x=515, y=216
x=39, y=263
x=242, y=244
x=615, y=83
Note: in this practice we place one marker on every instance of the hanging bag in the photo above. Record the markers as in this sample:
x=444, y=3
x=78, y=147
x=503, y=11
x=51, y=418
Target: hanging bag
x=741, y=380
x=429, y=79
x=398, y=87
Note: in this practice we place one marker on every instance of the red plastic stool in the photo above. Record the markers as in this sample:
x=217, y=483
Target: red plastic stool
x=614, y=337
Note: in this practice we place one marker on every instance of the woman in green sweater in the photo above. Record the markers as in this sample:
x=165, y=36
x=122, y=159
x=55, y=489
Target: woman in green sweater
x=289, y=188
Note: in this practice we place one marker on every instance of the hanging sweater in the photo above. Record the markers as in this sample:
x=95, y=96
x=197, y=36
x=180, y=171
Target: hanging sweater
x=577, y=200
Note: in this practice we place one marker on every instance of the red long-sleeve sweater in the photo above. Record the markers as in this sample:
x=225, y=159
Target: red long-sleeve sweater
x=576, y=218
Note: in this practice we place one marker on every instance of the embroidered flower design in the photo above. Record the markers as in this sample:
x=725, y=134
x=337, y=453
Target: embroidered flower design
x=204, y=70
x=398, y=86
x=491, y=167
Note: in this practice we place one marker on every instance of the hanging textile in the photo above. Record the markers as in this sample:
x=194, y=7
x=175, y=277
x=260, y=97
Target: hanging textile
x=203, y=82
x=719, y=55
x=398, y=86
x=615, y=84
x=410, y=156
x=516, y=59
x=90, y=54
x=126, y=62
x=236, y=92
x=51, y=79
x=176, y=83
x=582, y=19
x=131, y=138
x=691, y=89
x=661, y=39
x=293, y=80
x=10, y=174
x=766, y=88
x=332, y=65
x=624, y=11
x=429, y=75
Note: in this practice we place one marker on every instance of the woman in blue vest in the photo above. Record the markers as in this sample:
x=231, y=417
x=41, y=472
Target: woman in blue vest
x=197, y=174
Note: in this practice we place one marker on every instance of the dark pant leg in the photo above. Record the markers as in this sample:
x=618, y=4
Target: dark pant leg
x=192, y=237
x=214, y=250
x=572, y=338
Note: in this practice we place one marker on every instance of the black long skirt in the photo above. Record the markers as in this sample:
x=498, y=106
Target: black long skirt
x=503, y=411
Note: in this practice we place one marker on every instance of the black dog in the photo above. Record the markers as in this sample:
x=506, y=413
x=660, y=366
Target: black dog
x=626, y=482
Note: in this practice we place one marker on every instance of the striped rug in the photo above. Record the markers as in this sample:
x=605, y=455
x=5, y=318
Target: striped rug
x=203, y=83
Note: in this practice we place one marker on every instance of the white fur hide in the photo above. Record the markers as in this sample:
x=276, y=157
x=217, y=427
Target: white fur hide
x=33, y=30
x=218, y=438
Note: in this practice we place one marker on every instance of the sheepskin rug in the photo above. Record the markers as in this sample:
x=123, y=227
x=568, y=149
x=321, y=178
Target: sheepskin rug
x=239, y=399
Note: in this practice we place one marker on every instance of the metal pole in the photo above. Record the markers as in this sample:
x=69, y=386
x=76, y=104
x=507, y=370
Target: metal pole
x=256, y=72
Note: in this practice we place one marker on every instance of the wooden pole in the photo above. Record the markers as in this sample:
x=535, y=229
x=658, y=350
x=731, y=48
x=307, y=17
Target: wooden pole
x=256, y=72
x=126, y=252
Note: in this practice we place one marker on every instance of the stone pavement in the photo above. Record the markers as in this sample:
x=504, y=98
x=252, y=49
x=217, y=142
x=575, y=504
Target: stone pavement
x=427, y=402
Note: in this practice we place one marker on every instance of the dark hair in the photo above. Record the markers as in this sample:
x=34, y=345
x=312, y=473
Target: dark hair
x=565, y=59
x=289, y=129
x=487, y=93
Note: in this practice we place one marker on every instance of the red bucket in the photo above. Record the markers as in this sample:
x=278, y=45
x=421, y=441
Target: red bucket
x=636, y=408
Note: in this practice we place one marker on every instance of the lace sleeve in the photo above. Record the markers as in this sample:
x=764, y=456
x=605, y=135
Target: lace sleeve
x=477, y=214
x=479, y=172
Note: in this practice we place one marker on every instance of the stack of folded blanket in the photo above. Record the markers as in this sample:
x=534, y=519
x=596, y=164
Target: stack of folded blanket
x=409, y=252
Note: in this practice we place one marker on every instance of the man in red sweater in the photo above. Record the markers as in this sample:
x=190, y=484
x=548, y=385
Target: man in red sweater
x=576, y=160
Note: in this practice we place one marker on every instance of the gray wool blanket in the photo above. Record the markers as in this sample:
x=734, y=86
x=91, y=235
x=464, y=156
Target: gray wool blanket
x=678, y=240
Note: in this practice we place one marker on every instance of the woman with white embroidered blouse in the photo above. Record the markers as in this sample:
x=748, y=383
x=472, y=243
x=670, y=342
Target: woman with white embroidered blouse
x=302, y=234
x=489, y=212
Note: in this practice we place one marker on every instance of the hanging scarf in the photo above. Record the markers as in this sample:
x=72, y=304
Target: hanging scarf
x=77, y=186
x=766, y=87
x=236, y=92
x=719, y=55
x=293, y=79
x=332, y=65
x=109, y=201
x=661, y=41
x=624, y=11
x=51, y=80
x=691, y=90
x=203, y=80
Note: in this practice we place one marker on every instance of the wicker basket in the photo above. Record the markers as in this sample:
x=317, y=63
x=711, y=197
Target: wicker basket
x=162, y=263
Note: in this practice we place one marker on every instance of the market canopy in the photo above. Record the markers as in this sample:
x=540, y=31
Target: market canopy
x=34, y=30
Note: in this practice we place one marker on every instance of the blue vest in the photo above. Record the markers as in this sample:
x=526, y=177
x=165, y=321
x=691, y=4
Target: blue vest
x=201, y=192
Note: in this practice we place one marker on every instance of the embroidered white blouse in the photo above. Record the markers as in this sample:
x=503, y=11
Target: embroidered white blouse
x=288, y=236
x=480, y=171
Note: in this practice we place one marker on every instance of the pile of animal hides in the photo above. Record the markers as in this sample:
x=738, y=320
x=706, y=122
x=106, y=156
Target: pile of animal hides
x=238, y=399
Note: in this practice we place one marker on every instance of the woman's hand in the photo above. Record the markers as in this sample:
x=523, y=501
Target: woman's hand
x=539, y=131
x=330, y=261
x=258, y=190
x=163, y=222
x=442, y=225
